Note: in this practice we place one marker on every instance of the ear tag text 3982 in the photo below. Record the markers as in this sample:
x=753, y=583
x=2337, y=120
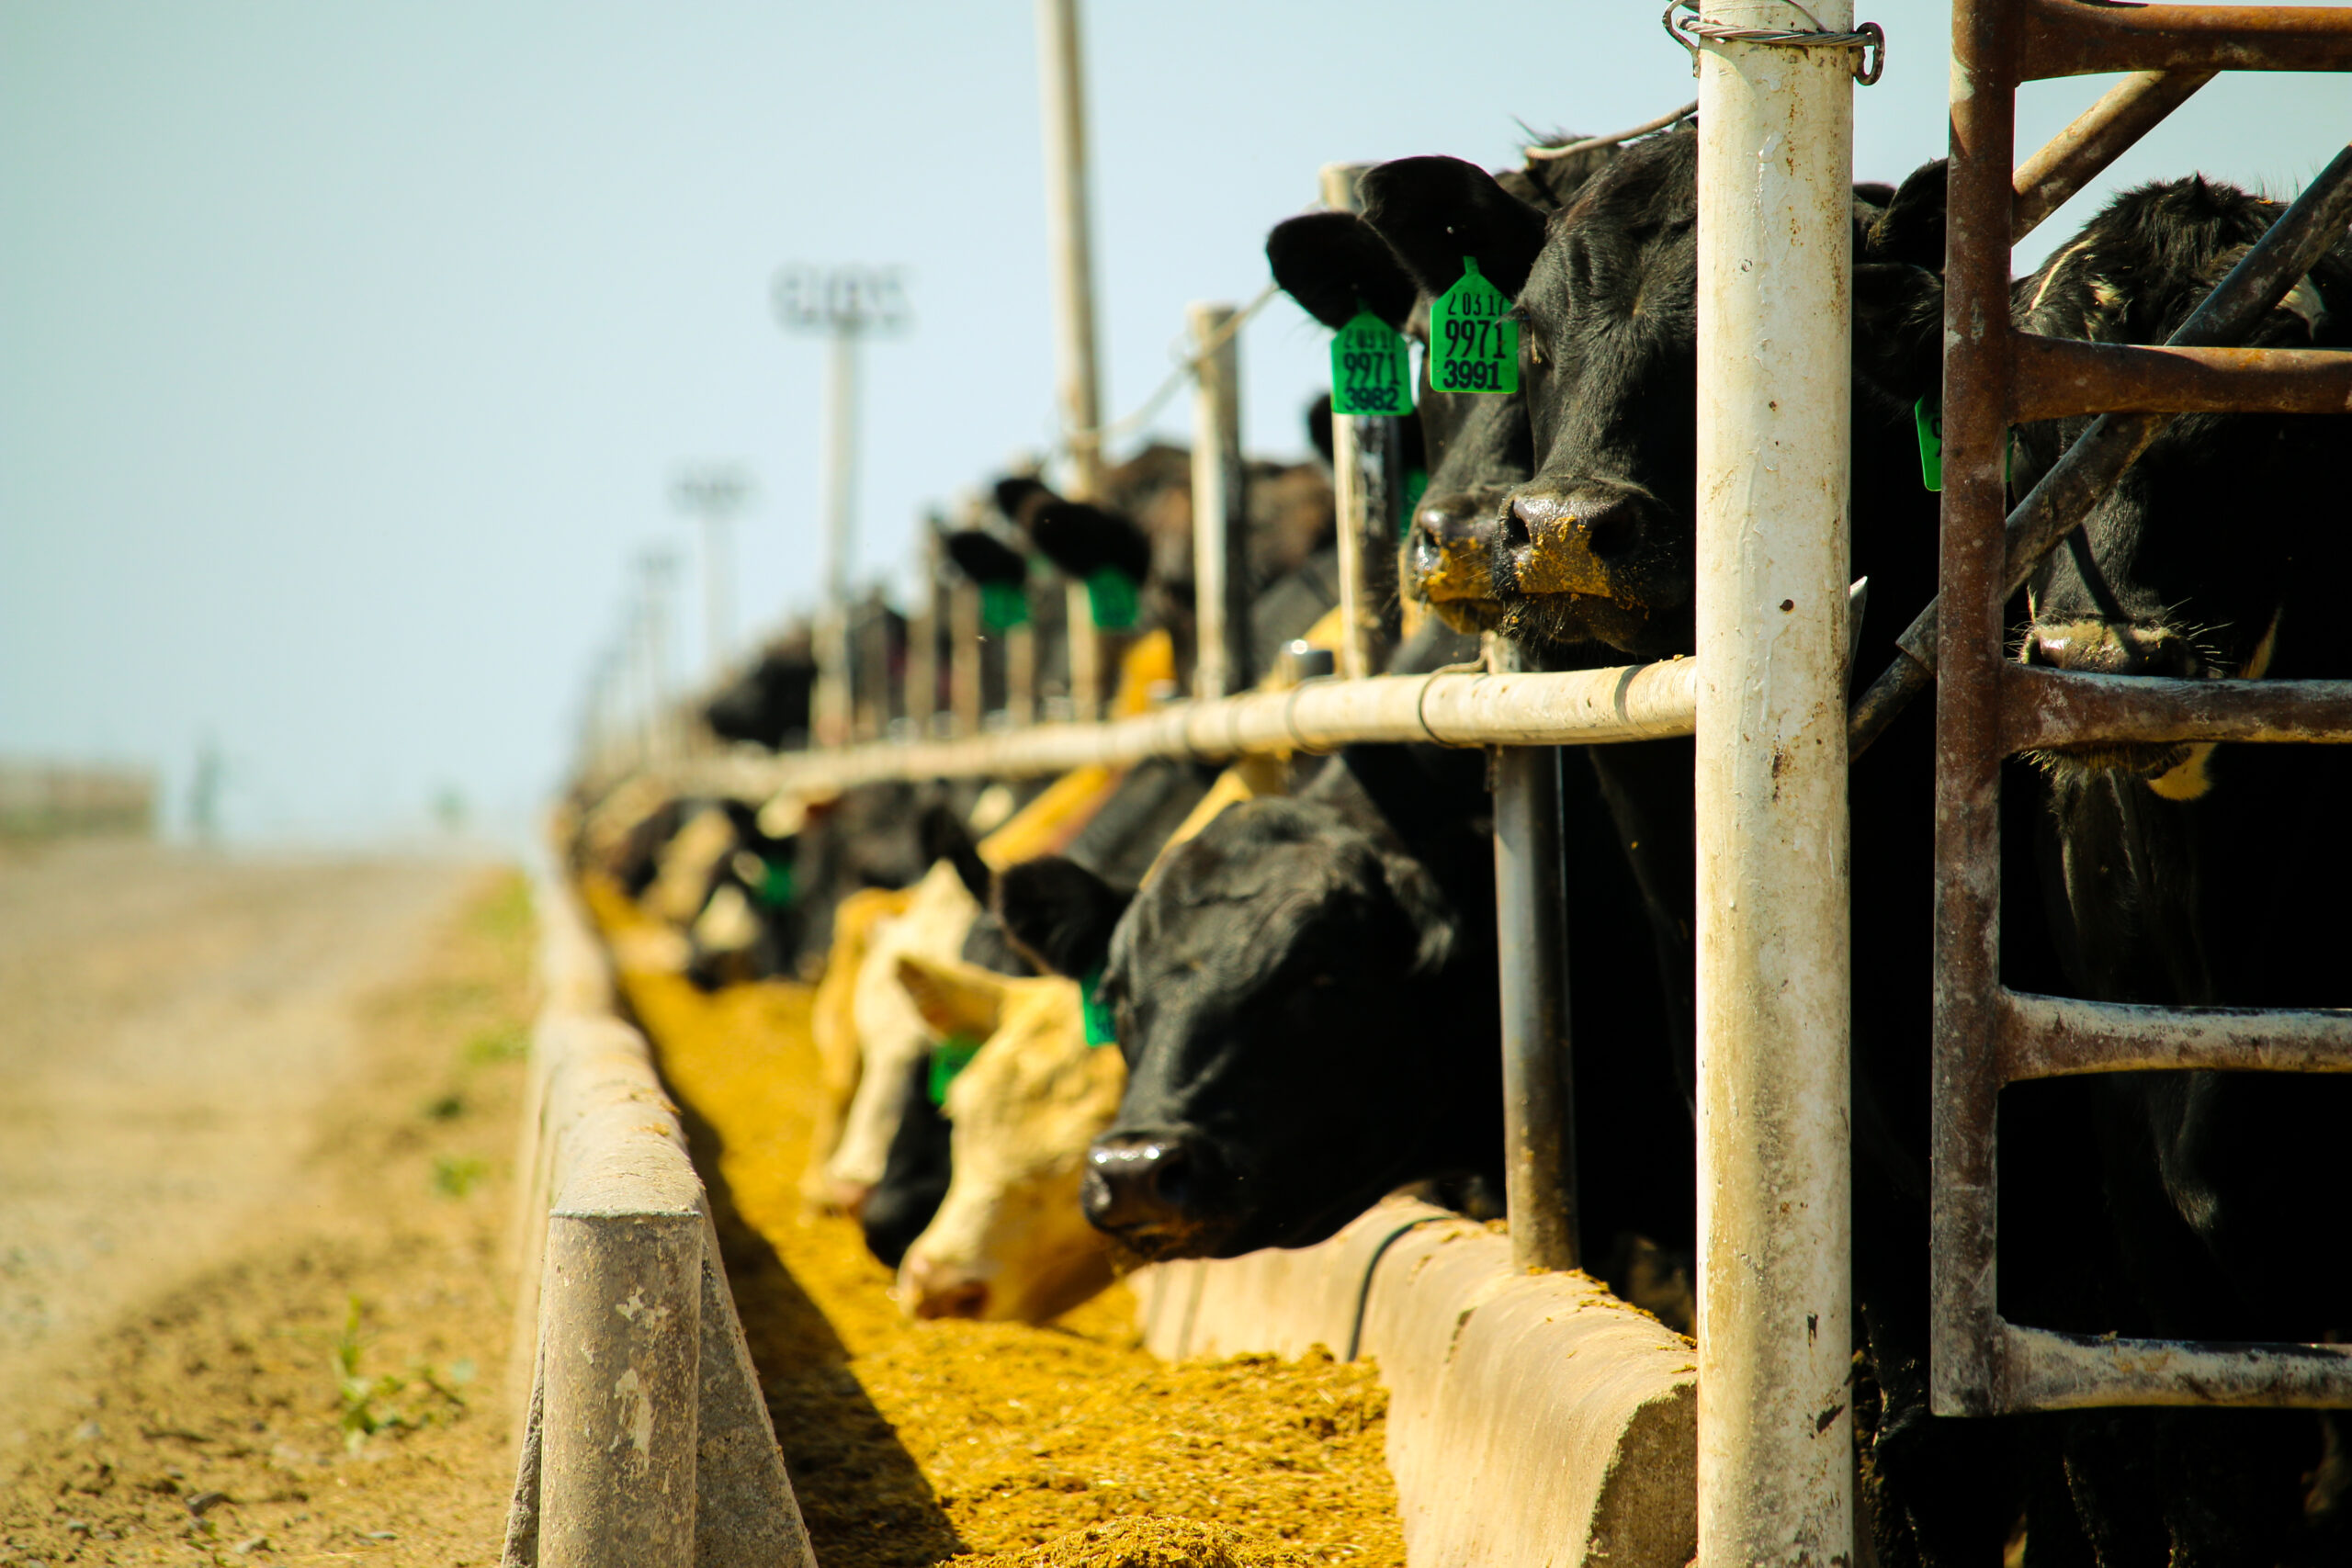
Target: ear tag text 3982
x=1474, y=344
x=1370, y=373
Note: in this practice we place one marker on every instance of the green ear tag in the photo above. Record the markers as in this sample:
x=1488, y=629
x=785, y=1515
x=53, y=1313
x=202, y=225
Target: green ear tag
x=1371, y=372
x=776, y=887
x=1111, y=597
x=1474, y=345
x=1930, y=422
x=1416, y=485
x=949, y=1058
x=1004, y=606
x=1101, y=1028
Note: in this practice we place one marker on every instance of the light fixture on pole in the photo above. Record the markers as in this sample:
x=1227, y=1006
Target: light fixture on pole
x=715, y=492
x=848, y=304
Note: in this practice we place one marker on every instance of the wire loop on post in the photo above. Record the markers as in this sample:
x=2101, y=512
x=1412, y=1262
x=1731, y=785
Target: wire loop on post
x=1691, y=31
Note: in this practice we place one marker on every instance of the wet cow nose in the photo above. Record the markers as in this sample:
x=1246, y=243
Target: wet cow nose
x=2101, y=648
x=1136, y=1180
x=1586, y=540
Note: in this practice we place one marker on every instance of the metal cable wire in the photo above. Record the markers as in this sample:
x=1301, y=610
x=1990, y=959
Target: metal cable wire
x=1187, y=366
x=1868, y=39
x=1539, y=154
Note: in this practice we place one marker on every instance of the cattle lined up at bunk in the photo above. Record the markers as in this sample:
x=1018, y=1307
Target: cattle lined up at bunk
x=1172, y=1011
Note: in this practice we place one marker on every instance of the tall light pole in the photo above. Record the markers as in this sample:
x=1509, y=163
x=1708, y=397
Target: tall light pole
x=849, y=304
x=649, y=627
x=714, y=494
x=1061, y=80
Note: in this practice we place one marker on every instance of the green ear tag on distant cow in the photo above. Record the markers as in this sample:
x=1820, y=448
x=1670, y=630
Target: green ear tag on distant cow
x=948, y=1059
x=1416, y=485
x=1371, y=372
x=1474, y=345
x=1004, y=606
x=1930, y=422
x=1101, y=1028
x=1111, y=598
x=777, y=886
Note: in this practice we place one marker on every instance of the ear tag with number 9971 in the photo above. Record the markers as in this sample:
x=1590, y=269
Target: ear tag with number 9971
x=1474, y=344
x=1370, y=371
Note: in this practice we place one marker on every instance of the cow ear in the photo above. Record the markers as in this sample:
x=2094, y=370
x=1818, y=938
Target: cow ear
x=953, y=998
x=1019, y=496
x=1334, y=264
x=1435, y=925
x=1898, y=330
x=944, y=838
x=1911, y=229
x=1059, y=914
x=1434, y=211
x=985, y=559
x=1082, y=539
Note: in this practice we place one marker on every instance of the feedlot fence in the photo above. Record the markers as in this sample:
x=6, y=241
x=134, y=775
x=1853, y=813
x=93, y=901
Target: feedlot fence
x=1767, y=698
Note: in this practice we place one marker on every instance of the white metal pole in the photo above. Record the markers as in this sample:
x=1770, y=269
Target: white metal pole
x=717, y=609
x=1061, y=84
x=1367, y=548
x=1776, y=1428
x=1220, y=511
x=831, y=719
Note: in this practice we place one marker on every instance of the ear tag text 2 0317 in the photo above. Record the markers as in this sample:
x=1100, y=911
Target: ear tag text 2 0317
x=1370, y=373
x=1474, y=344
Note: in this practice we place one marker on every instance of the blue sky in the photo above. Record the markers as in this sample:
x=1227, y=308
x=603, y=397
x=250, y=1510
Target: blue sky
x=346, y=352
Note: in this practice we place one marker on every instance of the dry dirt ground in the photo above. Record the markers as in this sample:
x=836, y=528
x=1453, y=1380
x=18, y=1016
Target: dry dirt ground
x=256, y=1128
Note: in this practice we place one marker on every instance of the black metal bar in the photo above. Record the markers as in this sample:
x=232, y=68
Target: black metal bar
x=1539, y=1097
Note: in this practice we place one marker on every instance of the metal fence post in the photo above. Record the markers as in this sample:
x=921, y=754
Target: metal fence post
x=1774, y=300
x=1062, y=80
x=1530, y=917
x=1220, y=511
x=1365, y=483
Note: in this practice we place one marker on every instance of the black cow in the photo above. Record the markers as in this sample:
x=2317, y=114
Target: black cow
x=2196, y=875
x=1335, y=264
x=1306, y=997
x=1117, y=842
x=768, y=705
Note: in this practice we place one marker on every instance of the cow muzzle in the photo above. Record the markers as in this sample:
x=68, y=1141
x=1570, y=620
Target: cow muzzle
x=1592, y=541
x=1146, y=1189
x=1449, y=558
x=2105, y=647
x=929, y=1289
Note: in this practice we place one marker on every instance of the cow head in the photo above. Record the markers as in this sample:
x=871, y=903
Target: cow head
x=1596, y=547
x=1010, y=1239
x=890, y=1033
x=1279, y=989
x=2169, y=575
x=1334, y=264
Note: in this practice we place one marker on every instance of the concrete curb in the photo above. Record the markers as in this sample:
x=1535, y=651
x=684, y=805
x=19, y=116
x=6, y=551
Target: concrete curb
x=1534, y=1421
x=645, y=1440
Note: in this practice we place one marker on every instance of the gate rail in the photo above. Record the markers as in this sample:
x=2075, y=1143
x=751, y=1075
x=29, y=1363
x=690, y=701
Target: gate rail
x=1987, y=707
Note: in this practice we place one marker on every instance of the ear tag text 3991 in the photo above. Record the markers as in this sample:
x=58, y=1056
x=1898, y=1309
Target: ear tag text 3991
x=1474, y=344
x=1370, y=373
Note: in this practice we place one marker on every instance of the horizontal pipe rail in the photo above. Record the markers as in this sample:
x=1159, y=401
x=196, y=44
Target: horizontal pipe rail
x=2040, y=1037
x=1642, y=702
x=2099, y=135
x=2044, y=1370
x=2065, y=38
x=2058, y=377
x=2042, y=708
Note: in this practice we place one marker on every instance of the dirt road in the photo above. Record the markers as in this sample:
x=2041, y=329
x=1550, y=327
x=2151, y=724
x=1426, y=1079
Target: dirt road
x=254, y=1116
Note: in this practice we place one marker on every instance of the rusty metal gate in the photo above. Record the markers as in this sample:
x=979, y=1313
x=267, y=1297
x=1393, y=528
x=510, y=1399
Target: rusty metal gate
x=1989, y=706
